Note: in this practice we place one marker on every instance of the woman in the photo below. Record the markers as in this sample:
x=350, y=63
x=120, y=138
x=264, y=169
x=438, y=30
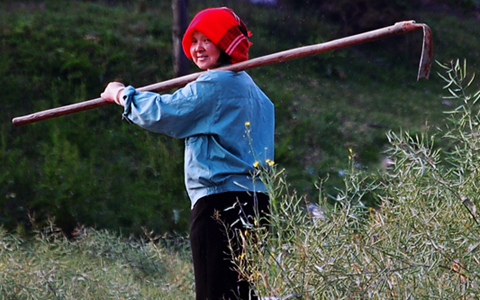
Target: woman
x=213, y=115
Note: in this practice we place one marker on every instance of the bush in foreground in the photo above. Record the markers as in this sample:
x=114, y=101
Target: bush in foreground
x=419, y=241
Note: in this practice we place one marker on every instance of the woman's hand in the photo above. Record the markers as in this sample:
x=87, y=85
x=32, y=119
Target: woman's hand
x=114, y=93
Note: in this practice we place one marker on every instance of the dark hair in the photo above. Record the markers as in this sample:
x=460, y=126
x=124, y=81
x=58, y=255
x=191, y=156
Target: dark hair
x=224, y=58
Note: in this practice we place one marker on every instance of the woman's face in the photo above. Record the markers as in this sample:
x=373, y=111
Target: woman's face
x=204, y=52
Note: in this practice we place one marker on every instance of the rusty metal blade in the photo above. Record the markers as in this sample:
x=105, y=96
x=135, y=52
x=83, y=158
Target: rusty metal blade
x=427, y=53
x=427, y=45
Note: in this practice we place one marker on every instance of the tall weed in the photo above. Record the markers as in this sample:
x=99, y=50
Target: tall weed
x=417, y=239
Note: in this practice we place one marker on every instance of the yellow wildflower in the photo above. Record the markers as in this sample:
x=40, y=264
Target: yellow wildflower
x=270, y=162
x=255, y=164
x=247, y=123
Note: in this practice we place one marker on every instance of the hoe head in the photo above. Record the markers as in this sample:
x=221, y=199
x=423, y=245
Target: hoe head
x=427, y=46
x=427, y=53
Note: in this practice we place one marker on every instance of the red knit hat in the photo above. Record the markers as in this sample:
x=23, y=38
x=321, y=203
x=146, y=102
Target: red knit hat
x=224, y=28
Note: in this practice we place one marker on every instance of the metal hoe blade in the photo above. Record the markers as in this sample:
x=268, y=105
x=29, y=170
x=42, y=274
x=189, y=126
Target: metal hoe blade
x=427, y=53
x=427, y=47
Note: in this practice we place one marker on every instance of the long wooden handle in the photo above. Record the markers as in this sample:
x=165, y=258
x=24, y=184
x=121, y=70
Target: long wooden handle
x=396, y=29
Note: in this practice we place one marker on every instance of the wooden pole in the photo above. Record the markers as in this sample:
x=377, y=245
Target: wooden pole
x=179, y=26
x=396, y=29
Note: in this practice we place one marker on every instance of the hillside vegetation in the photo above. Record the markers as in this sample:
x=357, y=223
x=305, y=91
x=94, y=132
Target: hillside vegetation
x=92, y=168
x=420, y=240
x=337, y=115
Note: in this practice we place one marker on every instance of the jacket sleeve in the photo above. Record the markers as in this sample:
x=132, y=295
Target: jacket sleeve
x=186, y=112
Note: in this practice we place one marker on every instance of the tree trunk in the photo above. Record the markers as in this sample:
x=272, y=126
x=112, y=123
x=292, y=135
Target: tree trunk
x=180, y=23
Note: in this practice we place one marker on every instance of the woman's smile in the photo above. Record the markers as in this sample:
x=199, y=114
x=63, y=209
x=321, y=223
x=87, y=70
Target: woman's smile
x=204, y=52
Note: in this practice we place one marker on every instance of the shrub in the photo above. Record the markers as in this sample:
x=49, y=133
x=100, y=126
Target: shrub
x=420, y=241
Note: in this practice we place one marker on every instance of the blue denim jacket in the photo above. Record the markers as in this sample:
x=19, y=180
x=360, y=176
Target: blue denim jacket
x=213, y=115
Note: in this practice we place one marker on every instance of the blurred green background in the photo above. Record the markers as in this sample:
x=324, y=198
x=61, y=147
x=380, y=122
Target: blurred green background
x=93, y=169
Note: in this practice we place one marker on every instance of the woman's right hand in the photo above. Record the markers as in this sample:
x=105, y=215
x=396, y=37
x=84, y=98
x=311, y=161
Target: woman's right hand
x=114, y=93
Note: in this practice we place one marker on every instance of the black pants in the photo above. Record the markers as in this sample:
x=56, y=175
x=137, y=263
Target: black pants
x=215, y=277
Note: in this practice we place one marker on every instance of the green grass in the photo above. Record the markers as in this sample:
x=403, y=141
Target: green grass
x=96, y=265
